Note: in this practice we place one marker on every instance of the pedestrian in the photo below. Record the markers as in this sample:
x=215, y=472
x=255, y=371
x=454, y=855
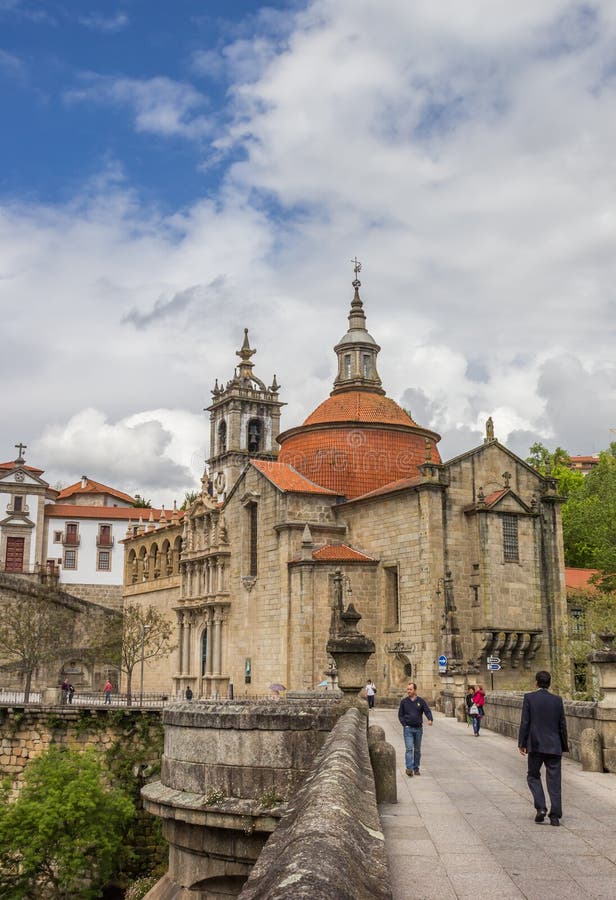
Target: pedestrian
x=477, y=711
x=468, y=702
x=188, y=694
x=71, y=691
x=410, y=715
x=370, y=692
x=63, y=691
x=107, y=691
x=543, y=739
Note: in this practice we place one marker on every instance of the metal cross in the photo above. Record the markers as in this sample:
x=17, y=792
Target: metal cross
x=21, y=448
x=356, y=266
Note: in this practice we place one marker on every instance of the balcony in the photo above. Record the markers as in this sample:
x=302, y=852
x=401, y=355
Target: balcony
x=104, y=541
x=71, y=539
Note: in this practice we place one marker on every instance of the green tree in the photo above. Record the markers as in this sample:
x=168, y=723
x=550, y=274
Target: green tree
x=141, y=503
x=146, y=634
x=189, y=499
x=33, y=631
x=557, y=461
x=63, y=835
x=589, y=518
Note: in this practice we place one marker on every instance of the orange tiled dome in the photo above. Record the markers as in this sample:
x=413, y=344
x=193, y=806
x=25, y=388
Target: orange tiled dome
x=356, y=442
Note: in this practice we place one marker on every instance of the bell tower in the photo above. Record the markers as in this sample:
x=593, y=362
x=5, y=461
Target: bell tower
x=244, y=422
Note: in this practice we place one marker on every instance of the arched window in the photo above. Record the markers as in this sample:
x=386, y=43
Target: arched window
x=255, y=435
x=347, y=365
x=222, y=437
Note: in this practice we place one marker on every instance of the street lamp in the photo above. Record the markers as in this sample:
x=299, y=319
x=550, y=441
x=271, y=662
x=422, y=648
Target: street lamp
x=144, y=628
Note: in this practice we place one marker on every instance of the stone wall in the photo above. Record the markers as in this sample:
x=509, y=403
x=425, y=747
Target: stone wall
x=329, y=843
x=503, y=711
x=109, y=595
x=27, y=732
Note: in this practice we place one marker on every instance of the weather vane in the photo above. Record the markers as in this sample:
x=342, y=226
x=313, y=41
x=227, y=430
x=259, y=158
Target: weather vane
x=357, y=270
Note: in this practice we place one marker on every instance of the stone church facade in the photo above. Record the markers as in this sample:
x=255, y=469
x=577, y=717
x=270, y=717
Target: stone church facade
x=462, y=559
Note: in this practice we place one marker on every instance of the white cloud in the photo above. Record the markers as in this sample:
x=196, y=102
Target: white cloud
x=105, y=24
x=160, y=105
x=462, y=151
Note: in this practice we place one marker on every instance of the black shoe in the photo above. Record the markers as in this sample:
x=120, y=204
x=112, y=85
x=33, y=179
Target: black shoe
x=554, y=820
x=416, y=772
x=541, y=814
x=409, y=772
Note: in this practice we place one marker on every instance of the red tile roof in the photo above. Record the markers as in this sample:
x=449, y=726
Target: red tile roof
x=341, y=553
x=494, y=496
x=400, y=485
x=579, y=579
x=359, y=406
x=288, y=479
x=12, y=465
x=93, y=487
x=77, y=511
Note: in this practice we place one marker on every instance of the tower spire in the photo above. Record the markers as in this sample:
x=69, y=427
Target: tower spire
x=357, y=350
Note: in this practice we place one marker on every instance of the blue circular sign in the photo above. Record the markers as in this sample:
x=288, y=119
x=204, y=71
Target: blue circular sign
x=442, y=660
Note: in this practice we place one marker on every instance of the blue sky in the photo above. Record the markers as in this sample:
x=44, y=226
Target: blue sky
x=171, y=173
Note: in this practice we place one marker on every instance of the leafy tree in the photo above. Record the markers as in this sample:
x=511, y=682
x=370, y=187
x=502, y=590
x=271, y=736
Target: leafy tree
x=540, y=458
x=61, y=838
x=589, y=518
x=189, y=499
x=146, y=634
x=141, y=503
x=32, y=632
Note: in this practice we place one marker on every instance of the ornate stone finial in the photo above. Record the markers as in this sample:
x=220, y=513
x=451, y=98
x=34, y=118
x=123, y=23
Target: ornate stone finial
x=356, y=281
x=20, y=453
x=481, y=497
x=175, y=519
x=307, y=543
x=548, y=468
x=274, y=386
x=151, y=522
x=129, y=529
x=507, y=478
x=140, y=526
x=489, y=430
x=162, y=519
x=245, y=353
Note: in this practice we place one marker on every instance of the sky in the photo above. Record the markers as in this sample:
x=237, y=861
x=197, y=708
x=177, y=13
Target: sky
x=171, y=173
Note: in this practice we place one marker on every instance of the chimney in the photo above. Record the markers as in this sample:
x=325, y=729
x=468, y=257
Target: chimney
x=84, y=482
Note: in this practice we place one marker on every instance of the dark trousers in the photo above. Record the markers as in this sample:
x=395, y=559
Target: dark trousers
x=552, y=764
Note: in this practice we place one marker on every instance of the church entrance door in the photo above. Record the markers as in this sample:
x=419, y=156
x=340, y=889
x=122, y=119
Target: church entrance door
x=14, y=554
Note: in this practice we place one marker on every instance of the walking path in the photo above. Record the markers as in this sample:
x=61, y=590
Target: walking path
x=465, y=829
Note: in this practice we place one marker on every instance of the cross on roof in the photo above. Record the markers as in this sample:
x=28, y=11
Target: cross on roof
x=20, y=447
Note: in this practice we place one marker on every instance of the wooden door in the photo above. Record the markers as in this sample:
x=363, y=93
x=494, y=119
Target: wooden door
x=14, y=554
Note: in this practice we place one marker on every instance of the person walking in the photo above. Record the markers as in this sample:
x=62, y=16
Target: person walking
x=107, y=691
x=477, y=708
x=64, y=691
x=410, y=715
x=468, y=702
x=188, y=693
x=370, y=692
x=71, y=691
x=543, y=739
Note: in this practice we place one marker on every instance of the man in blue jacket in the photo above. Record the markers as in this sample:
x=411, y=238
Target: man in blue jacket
x=410, y=715
x=543, y=738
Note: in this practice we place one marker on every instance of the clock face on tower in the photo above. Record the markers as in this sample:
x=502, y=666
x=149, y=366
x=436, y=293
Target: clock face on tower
x=19, y=476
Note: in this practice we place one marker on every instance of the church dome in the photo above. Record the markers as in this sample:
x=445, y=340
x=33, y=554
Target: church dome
x=358, y=440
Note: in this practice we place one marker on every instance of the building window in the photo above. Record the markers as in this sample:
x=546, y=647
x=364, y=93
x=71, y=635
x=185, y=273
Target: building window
x=580, y=677
x=104, y=561
x=104, y=535
x=57, y=537
x=72, y=535
x=252, y=539
x=204, y=652
x=577, y=622
x=18, y=504
x=347, y=365
x=392, y=601
x=222, y=437
x=70, y=559
x=510, y=539
x=255, y=434
x=365, y=364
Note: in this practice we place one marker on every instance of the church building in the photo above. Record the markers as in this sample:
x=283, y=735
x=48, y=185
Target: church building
x=448, y=563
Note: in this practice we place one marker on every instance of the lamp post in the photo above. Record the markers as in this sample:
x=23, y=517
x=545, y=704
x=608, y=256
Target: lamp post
x=144, y=628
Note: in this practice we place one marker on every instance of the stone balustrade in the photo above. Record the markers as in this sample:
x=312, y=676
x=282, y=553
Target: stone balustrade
x=329, y=841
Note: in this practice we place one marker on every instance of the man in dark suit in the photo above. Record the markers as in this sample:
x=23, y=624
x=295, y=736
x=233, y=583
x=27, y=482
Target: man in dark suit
x=543, y=737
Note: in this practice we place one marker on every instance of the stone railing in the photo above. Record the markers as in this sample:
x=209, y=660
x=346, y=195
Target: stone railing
x=331, y=833
x=503, y=711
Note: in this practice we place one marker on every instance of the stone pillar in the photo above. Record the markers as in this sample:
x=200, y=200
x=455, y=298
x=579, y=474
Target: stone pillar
x=217, y=641
x=591, y=750
x=604, y=663
x=351, y=651
x=188, y=641
x=209, y=645
x=181, y=643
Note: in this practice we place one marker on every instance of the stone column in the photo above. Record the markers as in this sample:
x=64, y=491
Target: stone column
x=209, y=645
x=217, y=641
x=181, y=643
x=188, y=638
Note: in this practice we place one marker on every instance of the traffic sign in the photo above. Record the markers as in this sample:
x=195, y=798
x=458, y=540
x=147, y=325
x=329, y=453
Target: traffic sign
x=493, y=667
x=494, y=660
x=442, y=660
